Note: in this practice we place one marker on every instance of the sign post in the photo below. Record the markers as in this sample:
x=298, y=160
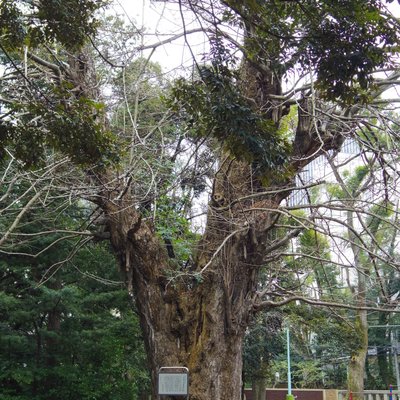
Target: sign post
x=173, y=381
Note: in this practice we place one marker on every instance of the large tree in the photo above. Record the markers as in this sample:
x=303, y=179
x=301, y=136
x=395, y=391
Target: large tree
x=245, y=127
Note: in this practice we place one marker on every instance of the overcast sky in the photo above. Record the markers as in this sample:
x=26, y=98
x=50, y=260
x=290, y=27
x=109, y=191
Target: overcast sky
x=162, y=20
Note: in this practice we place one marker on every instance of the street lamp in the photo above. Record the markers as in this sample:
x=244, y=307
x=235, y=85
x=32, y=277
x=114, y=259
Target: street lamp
x=289, y=395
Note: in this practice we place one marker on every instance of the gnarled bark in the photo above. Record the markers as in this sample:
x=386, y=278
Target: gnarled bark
x=197, y=317
x=185, y=323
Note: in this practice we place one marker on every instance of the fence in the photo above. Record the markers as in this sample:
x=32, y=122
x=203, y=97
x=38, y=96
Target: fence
x=323, y=394
x=370, y=395
x=300, y=394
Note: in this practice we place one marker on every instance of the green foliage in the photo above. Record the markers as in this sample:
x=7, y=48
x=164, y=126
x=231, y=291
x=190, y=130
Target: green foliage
x=308, y=374
x=377, y=237
x=44, y=114
x=352, y=183
x=12, y=32
x=336, y=337
x=377, y=221
x=344, y=40
x=66, y=332
x=212, y=106
x=379, y=213
x=314, y=264
x=315, y=242
x=175, y=230
x=263, y=344
x=32, y=23
x=321, y=343
x=74, y=129
x=347, y=43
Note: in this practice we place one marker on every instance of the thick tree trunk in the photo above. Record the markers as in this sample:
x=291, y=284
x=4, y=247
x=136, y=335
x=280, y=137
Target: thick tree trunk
x=190, y=330
x=184, y=322
x=196, y=317
x=358, y=357
x=359, y=354
x=260, y=382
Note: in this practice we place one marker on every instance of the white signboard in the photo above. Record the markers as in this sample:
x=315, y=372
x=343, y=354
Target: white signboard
x=172, y=383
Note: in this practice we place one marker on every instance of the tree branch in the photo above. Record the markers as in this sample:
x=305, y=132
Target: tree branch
x=320, y=303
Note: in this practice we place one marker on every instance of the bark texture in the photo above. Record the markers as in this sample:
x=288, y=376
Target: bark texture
x=198, y=319
x=184, y=323
x=260, y=382
x=356, y=370
x=357, y=360
x=196, y=316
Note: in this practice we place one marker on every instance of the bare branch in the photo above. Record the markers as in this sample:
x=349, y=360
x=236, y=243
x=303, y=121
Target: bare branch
x=320, y=303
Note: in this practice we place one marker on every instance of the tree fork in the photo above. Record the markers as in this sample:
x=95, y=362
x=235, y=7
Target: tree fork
x=198, y=323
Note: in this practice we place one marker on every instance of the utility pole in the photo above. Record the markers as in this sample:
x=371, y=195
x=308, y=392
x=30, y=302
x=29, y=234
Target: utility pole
x=289, y=396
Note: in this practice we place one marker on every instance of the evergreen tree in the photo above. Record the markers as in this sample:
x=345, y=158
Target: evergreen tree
x=68, y=328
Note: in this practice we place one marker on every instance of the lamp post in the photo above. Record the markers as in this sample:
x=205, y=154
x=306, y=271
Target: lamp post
x=289, y=395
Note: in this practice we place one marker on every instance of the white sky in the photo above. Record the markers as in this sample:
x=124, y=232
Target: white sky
x=162, y=20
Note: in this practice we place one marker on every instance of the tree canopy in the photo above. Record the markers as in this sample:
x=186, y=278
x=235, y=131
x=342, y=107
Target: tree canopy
x=284, y=125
